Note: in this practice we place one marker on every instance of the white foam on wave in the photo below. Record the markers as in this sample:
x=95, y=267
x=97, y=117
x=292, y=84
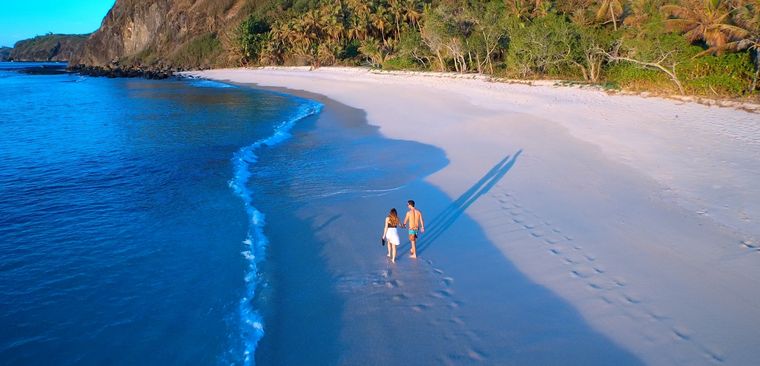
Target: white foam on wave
x=203, y=83
x=251, y=321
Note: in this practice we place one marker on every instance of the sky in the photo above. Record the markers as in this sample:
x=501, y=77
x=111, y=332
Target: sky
x=22, y=19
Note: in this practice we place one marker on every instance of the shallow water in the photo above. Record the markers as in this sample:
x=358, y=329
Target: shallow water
x=120, y=233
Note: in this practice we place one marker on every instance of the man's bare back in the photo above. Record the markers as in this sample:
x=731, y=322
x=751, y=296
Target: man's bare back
x=416, y=225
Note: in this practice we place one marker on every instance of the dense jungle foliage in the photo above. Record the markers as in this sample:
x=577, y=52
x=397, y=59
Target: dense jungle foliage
x=701, y=47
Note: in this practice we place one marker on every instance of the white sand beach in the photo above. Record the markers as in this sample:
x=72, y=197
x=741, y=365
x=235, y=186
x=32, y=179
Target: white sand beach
x=641, y=213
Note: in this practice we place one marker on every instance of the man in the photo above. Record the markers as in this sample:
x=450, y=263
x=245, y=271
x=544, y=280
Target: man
x=413, y=221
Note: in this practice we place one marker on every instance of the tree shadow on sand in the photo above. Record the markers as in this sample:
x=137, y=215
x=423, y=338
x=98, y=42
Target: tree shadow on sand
x=445, y=219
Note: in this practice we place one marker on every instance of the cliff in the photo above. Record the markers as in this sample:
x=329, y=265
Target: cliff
x=162, y=34
x=50, y=47
x=5, y=52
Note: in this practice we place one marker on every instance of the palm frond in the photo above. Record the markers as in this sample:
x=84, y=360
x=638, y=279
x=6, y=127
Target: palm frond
x=676, y=11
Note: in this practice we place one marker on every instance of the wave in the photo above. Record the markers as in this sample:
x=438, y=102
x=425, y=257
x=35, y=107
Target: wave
x=204, y=83
x=252, y=326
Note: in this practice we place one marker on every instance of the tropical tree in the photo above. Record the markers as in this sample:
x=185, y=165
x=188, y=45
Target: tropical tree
x=412, y=12
x=610, y=11
x=748, y=17
x=705, y=20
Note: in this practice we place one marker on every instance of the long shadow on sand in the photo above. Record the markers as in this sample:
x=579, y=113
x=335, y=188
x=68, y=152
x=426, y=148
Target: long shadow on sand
x=440, y=223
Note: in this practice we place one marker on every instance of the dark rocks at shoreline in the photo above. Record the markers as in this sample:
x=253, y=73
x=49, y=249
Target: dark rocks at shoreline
x=46, y=69
x=119, y=72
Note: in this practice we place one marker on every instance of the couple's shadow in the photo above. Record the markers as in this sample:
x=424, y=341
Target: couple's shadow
x=452, y=212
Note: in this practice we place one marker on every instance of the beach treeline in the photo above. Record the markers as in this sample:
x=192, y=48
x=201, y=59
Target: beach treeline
x=696, y=47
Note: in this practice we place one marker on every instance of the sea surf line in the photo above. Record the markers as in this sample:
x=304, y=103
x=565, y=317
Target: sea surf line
x=251, y=322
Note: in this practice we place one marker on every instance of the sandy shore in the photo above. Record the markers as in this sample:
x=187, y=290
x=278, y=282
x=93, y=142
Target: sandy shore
x=640, y=213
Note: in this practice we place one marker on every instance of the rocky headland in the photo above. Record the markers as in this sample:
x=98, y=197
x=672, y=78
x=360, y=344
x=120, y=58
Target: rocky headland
x=46, y=48
x=157, y=38
x=5, y=53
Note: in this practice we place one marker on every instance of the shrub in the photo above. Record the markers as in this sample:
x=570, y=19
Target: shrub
x=202, y=51
x=724, y=75
x=633, y=77
x=251, y=38
x=547, y=45
x=400, y=63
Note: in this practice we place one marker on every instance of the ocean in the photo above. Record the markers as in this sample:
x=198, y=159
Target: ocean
x=129, y=226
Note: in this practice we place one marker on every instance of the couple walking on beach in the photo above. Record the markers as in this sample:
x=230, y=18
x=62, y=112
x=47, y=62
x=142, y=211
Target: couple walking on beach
x=412, y=221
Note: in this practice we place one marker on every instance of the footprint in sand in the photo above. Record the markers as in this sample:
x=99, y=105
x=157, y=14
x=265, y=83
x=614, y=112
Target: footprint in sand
x=420, y=307
x=583, y=272
x=448, y=281
x=749, y=244
x=555, y=251
x=441, y=294
x=457, y=320
x=476, y=355
x=400, y=297
x=570, y=260
x=632, y=298
x=394, y=283
x=714, y=355
x=681, y=333
x=657, y=315
x=455, y=304
x=574, y=258
x=600, y=284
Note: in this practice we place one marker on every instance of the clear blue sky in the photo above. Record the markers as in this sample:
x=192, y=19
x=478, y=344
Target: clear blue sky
x=21, y=19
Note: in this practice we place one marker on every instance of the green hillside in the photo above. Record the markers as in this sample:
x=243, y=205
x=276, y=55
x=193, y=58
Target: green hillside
x=50, y=47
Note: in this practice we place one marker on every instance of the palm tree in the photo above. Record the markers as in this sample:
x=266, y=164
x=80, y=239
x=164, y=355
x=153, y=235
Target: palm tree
x=379, y=21
x=412, y=12
x=611, y=10
x=359, y=21
x=748, y=17
x=708, y=22
x=397, y=11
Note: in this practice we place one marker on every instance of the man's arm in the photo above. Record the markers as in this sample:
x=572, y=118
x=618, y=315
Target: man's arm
x=422, y=223
x=406, y=218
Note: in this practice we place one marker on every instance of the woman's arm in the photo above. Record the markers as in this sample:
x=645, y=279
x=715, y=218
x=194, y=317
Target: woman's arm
x=385, y=227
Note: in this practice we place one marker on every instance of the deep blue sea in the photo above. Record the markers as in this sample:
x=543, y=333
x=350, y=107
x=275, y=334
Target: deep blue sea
x=128, y=232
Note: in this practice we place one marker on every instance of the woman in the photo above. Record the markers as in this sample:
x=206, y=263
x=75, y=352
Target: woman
x=390, y=233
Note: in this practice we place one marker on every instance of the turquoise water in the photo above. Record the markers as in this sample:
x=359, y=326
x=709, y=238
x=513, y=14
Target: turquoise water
x=128, y=233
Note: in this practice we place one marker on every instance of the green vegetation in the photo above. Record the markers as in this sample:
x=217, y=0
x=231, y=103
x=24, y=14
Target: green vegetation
x=49, y=47
x=203, y=50
x=702, y=47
